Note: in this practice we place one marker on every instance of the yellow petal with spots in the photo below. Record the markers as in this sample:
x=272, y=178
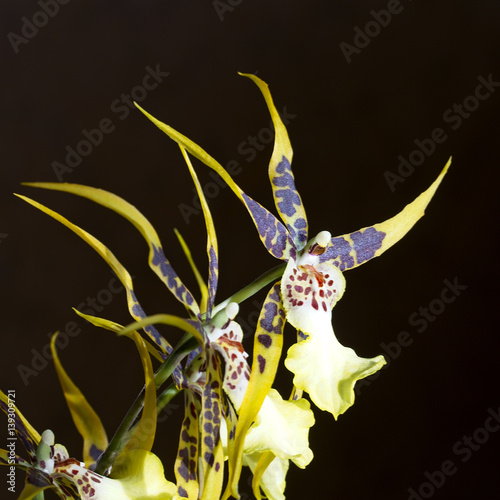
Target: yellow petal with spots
x=351, y=250
x=157, y=260
x=134, y=307
x=286, y=197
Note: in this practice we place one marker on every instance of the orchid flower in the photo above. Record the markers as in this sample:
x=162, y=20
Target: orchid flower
x=50, y=467
x=219, y=335
x=313, y=280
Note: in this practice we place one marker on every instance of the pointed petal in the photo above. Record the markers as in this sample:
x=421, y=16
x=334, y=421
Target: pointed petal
x=117, y=328
x=86, y=421
x=352, y=250
x=201, y=283
x=134, y=307
x=22, y=428
x=213, y=264
x=211, y=452
x=7, y=458
x=186, y=463
x=144, y=434
x=286, y=196
x=268, y=344
x=157, y=260
x=272, y=232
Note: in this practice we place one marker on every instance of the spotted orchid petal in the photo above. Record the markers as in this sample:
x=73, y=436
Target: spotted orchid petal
x=322, y=366
x=157, y=260
x=211, y=450
x=351, y=250
x=268, y=344
x=286, y=197
x=20, y=427
x=213, y=264
x=278, y=426
x=86, y=420
x=272, y=232
x=138, y=475
x=199, y=279
x=123, y=275
x=186, y=463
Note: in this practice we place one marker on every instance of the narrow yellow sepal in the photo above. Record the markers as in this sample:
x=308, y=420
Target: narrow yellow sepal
x=117, y=328
x=86, y=420
x=144, y=434
x=129, y=212
x=212, y=250
x=201, y=283
x=268, y=345
x=396, y=227
x=120, y=271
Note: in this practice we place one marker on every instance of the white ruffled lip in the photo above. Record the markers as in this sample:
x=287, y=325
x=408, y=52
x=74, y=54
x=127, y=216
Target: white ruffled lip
x=322, y=366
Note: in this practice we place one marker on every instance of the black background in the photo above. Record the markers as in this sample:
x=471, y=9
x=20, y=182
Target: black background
x=350, y=123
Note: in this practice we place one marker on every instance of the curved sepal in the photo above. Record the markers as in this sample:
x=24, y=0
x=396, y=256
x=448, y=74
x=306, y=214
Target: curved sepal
x=86, y=420
x=186, y=463
x=201, y=283
x=157, y=260
x=268, y=344
x=112, y=326
x=212, y=252
x=351, y=250
x=286, y=197
x=211, y=451
x=271, y=231
x=123, y=275
x=23, y=430
x=144, y=434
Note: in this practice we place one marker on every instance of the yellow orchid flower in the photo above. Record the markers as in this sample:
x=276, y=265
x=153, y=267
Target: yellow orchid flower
x=313, y=279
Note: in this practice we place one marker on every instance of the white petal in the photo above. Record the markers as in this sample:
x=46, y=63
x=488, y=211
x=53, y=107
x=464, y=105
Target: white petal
x=327, y=370
x=273, y=480
x=283, y=428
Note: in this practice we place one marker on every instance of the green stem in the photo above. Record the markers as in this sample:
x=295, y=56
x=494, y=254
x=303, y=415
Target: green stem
x=119, y=439
x=251, y=289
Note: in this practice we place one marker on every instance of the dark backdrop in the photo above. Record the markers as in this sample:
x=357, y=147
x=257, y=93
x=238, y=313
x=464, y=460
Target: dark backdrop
x=356, y=106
